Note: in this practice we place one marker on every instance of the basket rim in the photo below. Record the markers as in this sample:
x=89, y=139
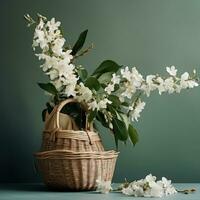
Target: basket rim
x=66, y=154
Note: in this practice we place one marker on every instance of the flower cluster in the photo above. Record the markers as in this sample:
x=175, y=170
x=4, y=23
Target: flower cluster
x=149, y=187
x=132, y=83
x=58, y=64
x=57, y=60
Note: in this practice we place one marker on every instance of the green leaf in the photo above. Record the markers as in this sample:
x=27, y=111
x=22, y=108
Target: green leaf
x=105, y=78
x=82, y=72
x=106, y=66
x=44, y=114
x=92, y=83
x=125, y=119
x=80, y=42
x=116, y=140
x=133, y=134
x=49, y=107
x=120, y=129
x=125, y=104
x=92, y=115
x=100, y=117
x=49, y=87
x=115, y=100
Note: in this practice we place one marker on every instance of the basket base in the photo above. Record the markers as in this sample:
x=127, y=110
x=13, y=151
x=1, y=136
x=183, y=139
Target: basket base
x=65, y=189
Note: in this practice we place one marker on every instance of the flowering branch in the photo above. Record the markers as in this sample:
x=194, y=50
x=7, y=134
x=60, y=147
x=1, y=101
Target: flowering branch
x=112, y=93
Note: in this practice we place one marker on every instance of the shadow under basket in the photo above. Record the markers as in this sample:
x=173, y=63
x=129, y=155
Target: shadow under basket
x=68, y=170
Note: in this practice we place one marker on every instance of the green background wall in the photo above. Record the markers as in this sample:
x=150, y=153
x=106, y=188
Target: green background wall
x=148, y=34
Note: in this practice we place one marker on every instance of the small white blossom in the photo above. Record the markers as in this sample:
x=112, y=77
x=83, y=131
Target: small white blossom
x=53, y=74
x=57, y=46
x=160, y=85
x=115, y=79
x=67, y=56
x=84, y=93
x=192, y=83
x=186, y=82
x=103, y=186
x=70, y=90
x=136, y=109
x=93, y=105
x=53, y=25
x=103, y=103
x=149, y=85
x=130, y=89
x=126, y=73
x=171, y=70
x=109, y=88
x=169, y=85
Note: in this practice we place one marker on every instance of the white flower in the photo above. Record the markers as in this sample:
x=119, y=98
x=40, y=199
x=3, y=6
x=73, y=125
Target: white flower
x=40, y=39
x=103, y=186
x=115, y=79
x=137, y=108
x=109, y=88
x=50, y=61
x=155, y=190
x=160, y=85
x=53, y=25
x=67, y=56
x=133, y=77
x=64, y=69
x=192, y=83
x=168, y=189
x=169, y=85
x=57, y=46
x=149, y=85
x=53, y=74
x=130, y=89
x=150, y=178
x=186, y=82
x=70, y=90
x=85, y=94
x=128, y=191
x=171, y=70
x=126, y=73
x=103, y=103
x=93, y=105
x=136, y=78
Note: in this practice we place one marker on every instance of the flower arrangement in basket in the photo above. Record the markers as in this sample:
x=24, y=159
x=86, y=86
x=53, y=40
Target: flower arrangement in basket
x=111, y=95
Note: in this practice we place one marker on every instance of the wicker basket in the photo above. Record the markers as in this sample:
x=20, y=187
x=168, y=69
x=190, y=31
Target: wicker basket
x=67, y=170
x=55, y=138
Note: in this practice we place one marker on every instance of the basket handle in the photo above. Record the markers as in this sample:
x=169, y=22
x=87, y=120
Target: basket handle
x=88, y=126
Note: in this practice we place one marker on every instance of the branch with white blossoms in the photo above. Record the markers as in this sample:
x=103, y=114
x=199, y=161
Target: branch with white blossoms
x=112, y=94
x=132, y=84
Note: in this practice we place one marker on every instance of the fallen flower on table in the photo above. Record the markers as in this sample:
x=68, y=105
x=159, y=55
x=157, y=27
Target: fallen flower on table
x=149, y=187
x=103, y=186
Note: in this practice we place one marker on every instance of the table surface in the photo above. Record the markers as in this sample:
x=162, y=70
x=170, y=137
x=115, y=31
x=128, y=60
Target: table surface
x=39, y=191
